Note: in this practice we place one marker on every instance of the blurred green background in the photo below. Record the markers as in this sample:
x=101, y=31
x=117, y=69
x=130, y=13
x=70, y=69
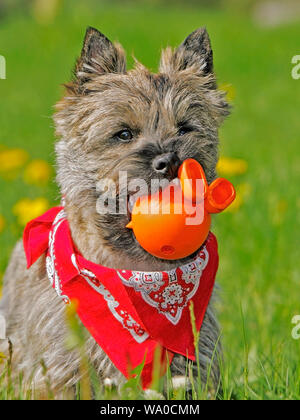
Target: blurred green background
x=253, y=43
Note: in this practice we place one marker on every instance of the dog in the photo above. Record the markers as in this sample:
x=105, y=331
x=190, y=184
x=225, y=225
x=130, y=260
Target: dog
x=112, y=120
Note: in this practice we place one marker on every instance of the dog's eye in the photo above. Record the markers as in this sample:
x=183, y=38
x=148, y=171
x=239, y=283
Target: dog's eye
x=183, y=130
x=124, y=135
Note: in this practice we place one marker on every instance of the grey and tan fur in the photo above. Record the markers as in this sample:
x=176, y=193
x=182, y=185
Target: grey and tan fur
x=177, y=113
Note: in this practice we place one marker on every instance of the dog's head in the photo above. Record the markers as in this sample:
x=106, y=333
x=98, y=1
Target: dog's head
x=137, y=122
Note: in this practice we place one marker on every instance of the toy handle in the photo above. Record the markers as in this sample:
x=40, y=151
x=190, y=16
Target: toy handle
x=188, y=173
x=220, y=195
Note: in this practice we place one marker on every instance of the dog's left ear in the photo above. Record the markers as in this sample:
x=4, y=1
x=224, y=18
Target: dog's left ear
x=98, y=56
x=194, y=53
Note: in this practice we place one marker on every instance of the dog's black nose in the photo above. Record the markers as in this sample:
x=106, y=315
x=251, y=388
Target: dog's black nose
x=166, y=164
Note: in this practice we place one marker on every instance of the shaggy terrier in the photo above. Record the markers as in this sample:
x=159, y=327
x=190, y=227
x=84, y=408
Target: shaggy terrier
x=113, y=120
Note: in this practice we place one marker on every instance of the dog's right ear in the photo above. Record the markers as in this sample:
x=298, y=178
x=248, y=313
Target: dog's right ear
x=195, y=53
x=98, y=56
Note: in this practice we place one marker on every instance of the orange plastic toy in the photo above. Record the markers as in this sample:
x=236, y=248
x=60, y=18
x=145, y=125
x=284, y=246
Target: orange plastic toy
x=174, y=223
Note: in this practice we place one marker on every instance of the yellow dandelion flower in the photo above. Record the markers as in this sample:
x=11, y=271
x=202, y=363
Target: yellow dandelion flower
x=2, y=223
x=242, y=192
x=45, y=11
x=229, y=166
x=236, y=204
x=229, y=90
x=37, y=172
x=12, y=159
x=27, y=209
x=279, y=212
x=2, y=358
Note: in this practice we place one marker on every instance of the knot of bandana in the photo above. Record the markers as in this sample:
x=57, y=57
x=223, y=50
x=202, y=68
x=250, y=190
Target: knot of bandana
x=132, y=315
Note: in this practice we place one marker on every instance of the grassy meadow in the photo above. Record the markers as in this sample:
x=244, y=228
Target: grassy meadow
x=258, y=238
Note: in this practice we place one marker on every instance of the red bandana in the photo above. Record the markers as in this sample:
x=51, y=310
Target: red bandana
x=130, y=314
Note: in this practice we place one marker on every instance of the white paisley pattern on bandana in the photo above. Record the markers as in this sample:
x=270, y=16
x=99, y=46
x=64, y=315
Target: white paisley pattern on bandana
x=169, y=291
x=137, y=332
x=50, y=259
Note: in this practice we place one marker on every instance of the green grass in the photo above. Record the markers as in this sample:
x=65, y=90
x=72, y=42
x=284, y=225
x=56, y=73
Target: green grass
x=259, y=245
